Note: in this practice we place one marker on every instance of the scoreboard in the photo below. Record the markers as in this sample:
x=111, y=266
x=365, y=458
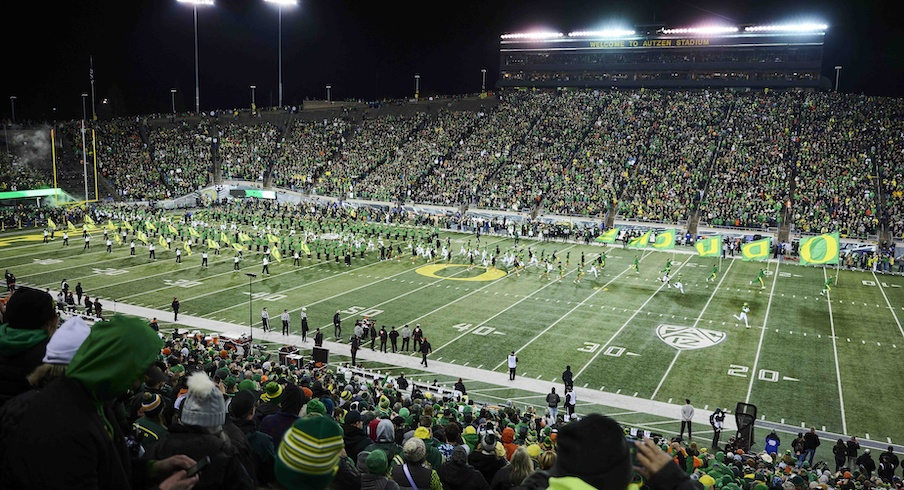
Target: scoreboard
x=665, y=58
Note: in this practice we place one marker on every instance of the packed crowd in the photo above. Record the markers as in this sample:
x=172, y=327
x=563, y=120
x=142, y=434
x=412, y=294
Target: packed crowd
x=819, y=161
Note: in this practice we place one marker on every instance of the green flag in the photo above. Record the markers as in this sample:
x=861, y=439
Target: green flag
x=608, y=236
x=640, y=241
x=822, y=249
x=756, y=250
x=665, y=240
x=709, y=247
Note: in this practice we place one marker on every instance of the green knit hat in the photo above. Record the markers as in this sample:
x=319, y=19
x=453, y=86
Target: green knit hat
x=308, y=457
x=273, y=392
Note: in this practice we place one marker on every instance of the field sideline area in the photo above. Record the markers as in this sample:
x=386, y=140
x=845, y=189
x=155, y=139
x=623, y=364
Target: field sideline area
x=805, y=360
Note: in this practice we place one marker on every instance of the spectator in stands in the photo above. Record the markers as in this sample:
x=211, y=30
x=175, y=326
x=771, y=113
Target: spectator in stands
x=485, y=459
x=457, y=474
x=31, y=319
x=414, y=472
x=276, y=424
x=263, y=454
x=198, y=432
x=111, y=359
x=514, y=473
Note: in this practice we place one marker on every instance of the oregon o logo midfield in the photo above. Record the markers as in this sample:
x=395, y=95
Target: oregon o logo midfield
x=487, y=275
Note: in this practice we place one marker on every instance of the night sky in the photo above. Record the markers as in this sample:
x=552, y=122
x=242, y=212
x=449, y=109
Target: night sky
x=367, y=50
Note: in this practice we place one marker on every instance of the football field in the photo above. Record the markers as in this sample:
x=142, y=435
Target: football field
x=805, y=360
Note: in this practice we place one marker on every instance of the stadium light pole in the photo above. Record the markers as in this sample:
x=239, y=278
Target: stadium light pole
x=84, y=151
x=417, y=86
x=251, y=277
x=483, y=84
x=328, y=87
x=280, y=4
x=194, y=4
x=252, y=98
x=173, y=96
x=12, y=102
x=837, y=75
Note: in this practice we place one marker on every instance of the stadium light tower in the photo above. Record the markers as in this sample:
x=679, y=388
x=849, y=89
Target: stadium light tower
x=837, y=75
x=280, y=4
x=417, y=86
x=328, y=87
x=12, y=102
x=483, y=83
x=173, y=96
x=253, y=105
x=84, y=151
x=194, y=4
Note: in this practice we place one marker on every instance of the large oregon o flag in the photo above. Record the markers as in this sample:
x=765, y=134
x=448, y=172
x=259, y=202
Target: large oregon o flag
x=756, y=250
x=665, y=240
x=822, y=249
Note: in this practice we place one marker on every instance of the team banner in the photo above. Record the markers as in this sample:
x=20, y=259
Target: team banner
x=665, y=240
x=822, y=249
x=608, y=236
x=756, y=250
x=709, y=247
x=640, y=241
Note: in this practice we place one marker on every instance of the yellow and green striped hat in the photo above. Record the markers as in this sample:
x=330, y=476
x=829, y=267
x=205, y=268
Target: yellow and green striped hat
x=308, y=456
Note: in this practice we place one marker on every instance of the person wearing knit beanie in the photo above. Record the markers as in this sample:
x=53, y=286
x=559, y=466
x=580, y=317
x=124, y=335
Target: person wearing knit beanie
x=414, y=473
x=31, y=319
x=204, y=406
x=309, y=454
x=150, y=428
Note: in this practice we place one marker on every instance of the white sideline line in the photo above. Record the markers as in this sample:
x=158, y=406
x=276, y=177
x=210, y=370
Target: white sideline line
x=890, y=307
x=699, y=317
x=835, y=353
x=759, y=347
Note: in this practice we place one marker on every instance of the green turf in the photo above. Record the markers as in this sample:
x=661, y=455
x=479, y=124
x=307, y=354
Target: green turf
x=788, y=363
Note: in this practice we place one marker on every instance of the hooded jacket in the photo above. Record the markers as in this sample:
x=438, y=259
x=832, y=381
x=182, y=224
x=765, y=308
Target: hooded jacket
x=74, y=415
x=385, y=441
x=508, y=442
x=21, y=351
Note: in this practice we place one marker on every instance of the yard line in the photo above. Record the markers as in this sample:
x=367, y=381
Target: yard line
x=699, y=317
x=890, y=307
x=603, y=349
x=759, y=347
x=835, y=352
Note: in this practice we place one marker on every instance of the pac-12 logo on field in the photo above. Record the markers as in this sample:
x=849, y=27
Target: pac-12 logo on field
x=687, y=338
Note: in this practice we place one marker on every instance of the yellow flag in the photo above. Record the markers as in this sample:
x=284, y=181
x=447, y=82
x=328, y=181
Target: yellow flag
x=70, y=225
x=162, y=242
x=118, y=240
x=238, y=247
x=173, y=230
x=193, y=232
x=276, y=255
x=244, y=237
x=187, y=247
x=51, y=224
x=141, y=236
x=212, y=244
x=150, y=226
x=304, y=247
x=224, y=238
x=89, y=220
x=273, y=238
x=127, y=225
